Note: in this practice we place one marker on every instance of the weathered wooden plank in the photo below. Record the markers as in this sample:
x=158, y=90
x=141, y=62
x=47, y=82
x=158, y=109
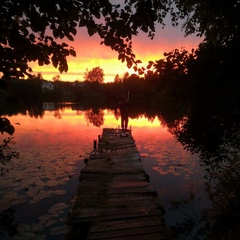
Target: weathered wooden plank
x=154, y=236
x=114, y=198
x=149, y=230
x=117, y=196
x=91, y=215
x=143, y=190
x=119, y=211
x=113, y=203
x=128, y=177
x=129, y=201
x=127, y=223
x=94, y=177
x=119, y=184
x=122, y=170
x=111, y=165
x=104, y=202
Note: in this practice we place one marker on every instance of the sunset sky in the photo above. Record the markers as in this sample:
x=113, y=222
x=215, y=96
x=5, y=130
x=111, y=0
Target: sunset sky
x=90, y=54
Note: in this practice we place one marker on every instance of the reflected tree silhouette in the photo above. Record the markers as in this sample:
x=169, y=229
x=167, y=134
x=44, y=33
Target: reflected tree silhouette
x=8, y=224
x=200, y=106
x=223, y=189
x=35, y=110
x=6, y=126
x=213, y=133
x=211, y=130
x=6, y=155
x=190, y=227
x=57, y=114
x=94, y=117
x=215, y=138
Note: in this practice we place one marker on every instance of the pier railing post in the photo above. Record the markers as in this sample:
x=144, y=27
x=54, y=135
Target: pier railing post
x=94, y=144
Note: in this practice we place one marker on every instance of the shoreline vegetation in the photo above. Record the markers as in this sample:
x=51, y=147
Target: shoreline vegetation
x=194, y=112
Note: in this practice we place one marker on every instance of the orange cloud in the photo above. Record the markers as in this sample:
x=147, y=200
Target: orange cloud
x=90, y=54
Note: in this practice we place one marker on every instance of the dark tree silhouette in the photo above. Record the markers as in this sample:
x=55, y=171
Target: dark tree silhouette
x=95, y=75
x=37, y=26
x=34, y=30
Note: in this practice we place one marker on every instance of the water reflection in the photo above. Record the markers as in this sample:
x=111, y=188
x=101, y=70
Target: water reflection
x=94, y=117
x=43, y=181
x=174, y=172
x=36, y=194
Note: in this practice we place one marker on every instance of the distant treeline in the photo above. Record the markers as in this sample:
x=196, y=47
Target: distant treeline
x=15, y=94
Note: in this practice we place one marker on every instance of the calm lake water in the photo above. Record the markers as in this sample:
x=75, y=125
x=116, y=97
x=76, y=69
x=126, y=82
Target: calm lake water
x=42, y=183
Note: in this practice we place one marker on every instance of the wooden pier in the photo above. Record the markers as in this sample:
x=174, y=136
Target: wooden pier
x=114, y=200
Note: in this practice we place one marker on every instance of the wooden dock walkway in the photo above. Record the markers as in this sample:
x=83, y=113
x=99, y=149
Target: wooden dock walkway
x=114, y=200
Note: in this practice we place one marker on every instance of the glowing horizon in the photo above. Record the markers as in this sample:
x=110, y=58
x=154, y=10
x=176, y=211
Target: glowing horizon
x=90, y=54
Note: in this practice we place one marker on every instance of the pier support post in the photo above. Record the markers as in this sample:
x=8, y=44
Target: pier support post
x=94, y=144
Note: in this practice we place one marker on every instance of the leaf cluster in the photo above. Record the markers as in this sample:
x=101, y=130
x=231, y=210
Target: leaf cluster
x=6, y=154
x=34, y=30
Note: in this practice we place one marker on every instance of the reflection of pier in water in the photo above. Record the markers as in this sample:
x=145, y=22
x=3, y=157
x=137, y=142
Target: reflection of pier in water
x=114, y=200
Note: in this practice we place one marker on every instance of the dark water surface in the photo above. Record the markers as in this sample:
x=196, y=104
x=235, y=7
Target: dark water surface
x=42, y=183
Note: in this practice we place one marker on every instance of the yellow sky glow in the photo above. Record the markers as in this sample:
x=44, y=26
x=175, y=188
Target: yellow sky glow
x=90, y=54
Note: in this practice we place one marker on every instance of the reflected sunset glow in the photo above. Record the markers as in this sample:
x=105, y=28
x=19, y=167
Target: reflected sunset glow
x=70, y=124
x=78, y=118
x=111, y=121
x=52, y=153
